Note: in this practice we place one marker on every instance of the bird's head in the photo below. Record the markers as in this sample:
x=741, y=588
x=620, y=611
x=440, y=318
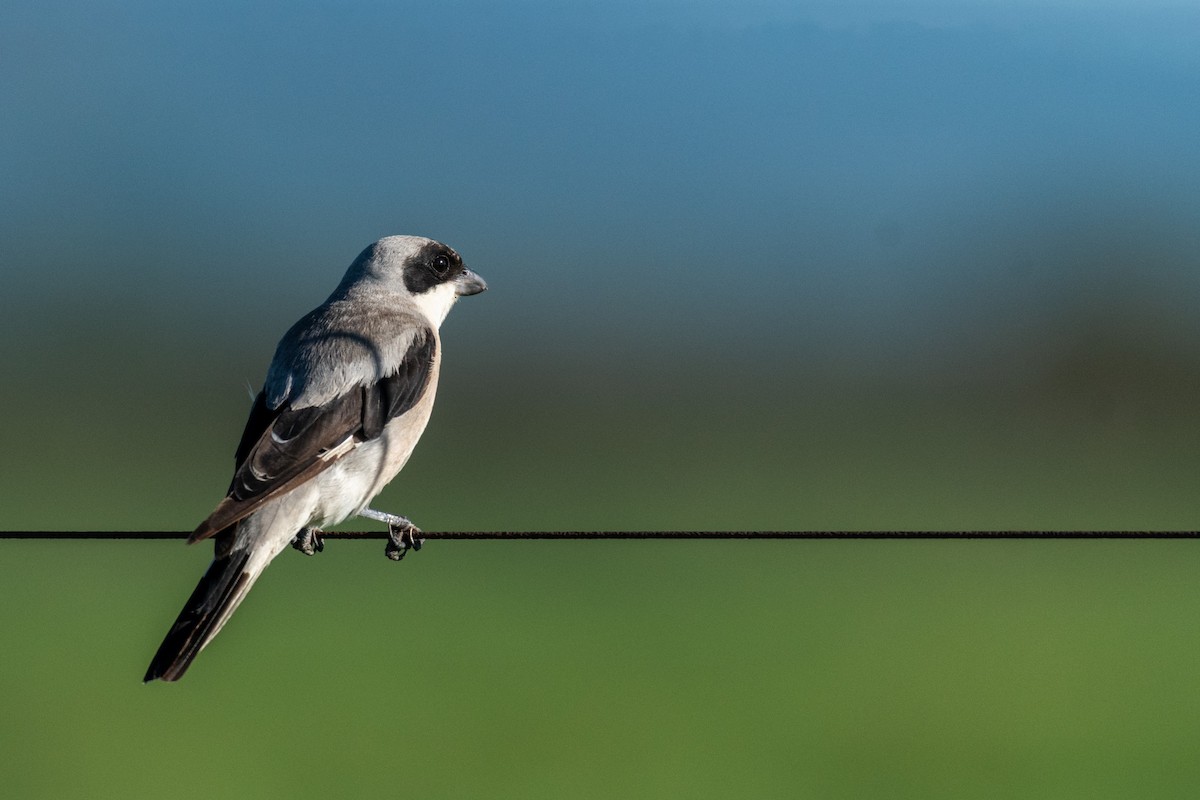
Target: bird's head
x=432, y=273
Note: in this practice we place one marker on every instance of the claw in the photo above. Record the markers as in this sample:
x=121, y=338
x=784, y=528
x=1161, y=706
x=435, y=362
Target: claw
x=402, y=534
x=309, y=541
x=402, y=537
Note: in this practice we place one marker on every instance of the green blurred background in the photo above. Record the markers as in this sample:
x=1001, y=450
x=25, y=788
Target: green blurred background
x=753, y=266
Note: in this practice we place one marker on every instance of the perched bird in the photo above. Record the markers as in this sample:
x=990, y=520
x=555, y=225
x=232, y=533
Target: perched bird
x=346, y=398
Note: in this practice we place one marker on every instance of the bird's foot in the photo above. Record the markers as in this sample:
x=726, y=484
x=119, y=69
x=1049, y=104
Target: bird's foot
x=402, y=537
x=309, y=541
x=402, y=534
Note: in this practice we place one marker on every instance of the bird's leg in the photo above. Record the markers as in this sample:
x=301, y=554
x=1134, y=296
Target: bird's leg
x=309, y=541
x=402, y=534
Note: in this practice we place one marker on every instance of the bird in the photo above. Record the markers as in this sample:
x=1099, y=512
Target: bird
x=346, y=397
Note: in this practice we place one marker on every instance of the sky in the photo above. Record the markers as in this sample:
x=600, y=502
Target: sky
x=857, y=167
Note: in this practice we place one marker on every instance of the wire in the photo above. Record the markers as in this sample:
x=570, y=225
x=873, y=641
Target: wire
x=576, y=535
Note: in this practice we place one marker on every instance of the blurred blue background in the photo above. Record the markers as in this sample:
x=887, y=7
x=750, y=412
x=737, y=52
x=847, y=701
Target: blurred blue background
x=753, y=266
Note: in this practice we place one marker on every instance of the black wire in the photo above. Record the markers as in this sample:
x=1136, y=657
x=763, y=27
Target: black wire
x=381, y=535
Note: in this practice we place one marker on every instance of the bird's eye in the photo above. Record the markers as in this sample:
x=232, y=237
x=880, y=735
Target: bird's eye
x=441, y=264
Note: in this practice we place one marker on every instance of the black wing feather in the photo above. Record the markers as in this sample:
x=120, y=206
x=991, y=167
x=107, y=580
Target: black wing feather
x=295, y=439
x=261, y=417
x=281, y=448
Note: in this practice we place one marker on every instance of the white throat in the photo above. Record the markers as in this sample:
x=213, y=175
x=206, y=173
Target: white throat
x=435, y=304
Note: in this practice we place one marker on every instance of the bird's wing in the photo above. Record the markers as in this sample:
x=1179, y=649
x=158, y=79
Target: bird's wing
x=283, y=447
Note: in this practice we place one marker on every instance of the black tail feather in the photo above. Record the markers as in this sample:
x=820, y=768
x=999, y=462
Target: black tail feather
x=211, y=603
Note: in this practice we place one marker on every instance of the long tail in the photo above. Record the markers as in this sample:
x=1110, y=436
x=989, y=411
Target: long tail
x=215, y=598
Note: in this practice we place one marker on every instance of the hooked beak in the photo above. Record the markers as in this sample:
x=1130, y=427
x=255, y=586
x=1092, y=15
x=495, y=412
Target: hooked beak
x=469, y=283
